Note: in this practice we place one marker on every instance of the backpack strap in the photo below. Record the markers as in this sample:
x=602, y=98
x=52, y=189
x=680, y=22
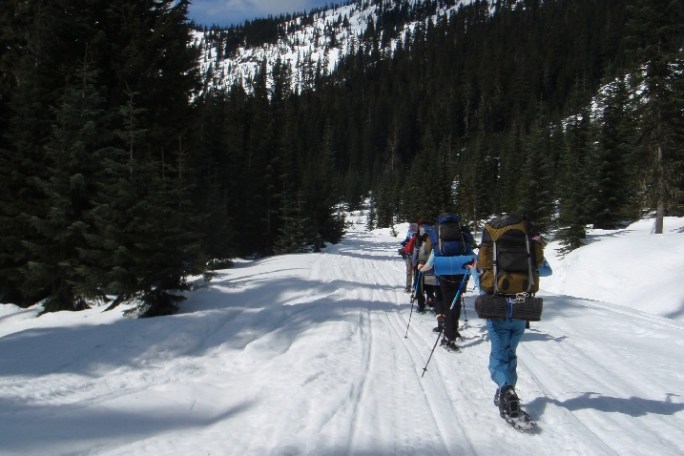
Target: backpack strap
x=495, y=267
x=530, y=266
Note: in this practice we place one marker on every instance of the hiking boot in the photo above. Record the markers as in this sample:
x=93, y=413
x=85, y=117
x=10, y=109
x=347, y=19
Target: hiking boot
x=496, y=397
x=421, y=310
x=509, y=404
x=449, y=345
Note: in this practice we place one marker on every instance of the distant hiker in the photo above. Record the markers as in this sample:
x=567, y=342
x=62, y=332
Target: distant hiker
x=509, y=260
x=427, y=283
x=406, y=252
x=449, y=238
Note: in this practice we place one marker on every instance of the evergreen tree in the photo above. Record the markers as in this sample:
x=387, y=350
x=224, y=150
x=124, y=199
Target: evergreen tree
x=656, y=27
x=321, y=192
x=572, y=182
x=536, y=176
x=42, y=55
x=614, y=195
x=385, y=200
x=216, y=169
x=295, y=232
x=70, y=150
x=57, y=259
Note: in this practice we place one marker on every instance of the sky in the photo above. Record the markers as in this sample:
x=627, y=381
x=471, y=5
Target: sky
x=236, y=12
x=321, y=354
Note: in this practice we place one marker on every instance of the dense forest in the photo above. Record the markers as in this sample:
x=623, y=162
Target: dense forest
x=122, y=175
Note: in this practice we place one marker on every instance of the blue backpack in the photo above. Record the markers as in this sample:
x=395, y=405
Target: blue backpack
x=449, y=237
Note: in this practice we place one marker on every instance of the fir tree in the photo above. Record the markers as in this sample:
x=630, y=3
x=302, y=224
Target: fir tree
x=295, y=232
x=536, y=176
x=614, y=196
x=657, y=29
x=572, y=183
x=57, y=253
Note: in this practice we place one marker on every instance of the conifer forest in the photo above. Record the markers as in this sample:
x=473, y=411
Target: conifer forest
x=123, y=173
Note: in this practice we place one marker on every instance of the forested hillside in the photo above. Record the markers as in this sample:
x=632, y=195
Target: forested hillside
x=122, y=174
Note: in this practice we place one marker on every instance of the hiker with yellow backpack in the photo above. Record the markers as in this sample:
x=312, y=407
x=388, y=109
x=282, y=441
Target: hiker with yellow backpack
x=510, y=261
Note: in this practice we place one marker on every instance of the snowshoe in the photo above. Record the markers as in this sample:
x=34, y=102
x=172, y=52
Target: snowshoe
x=509, y=409
x=523, y=422
x=450, y=345
x=509, y=404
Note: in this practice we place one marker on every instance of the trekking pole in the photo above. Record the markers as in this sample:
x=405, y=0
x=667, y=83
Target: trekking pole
x=413, y=295
x=460, y=288
x=465, y=314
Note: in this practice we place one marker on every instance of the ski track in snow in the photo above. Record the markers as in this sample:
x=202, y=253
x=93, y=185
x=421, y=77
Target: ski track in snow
x=359, y=391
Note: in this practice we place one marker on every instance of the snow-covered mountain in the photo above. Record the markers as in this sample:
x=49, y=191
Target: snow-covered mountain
x=313, y=44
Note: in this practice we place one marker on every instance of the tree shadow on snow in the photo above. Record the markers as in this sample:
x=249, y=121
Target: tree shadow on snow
x=633, y=406
x=211, y=319
x=70, y=425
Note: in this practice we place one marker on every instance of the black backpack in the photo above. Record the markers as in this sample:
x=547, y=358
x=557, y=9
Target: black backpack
x=449, y=237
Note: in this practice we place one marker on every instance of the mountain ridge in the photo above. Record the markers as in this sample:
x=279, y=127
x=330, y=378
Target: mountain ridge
x=312, y=45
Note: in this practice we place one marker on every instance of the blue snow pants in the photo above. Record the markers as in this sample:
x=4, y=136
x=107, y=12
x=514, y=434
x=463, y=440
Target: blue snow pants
x=504, y=335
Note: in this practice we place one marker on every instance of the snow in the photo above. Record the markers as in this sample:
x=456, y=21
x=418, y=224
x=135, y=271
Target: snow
x=306, y=355
x=303, y=48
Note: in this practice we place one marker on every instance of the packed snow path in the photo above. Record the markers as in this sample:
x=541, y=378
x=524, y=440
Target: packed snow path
x=306, y=354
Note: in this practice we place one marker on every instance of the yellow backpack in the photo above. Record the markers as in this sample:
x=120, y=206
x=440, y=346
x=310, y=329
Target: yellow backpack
x=510, y=260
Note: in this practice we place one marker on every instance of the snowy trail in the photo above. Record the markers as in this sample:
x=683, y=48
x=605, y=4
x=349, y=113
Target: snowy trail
x=306, y=355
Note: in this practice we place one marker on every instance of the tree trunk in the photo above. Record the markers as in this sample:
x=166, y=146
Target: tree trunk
x=660, y=207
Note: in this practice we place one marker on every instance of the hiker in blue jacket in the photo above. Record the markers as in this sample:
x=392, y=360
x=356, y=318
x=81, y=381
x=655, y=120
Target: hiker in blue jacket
x=448, y=305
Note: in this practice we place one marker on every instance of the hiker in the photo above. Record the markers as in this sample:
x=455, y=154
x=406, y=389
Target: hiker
x=406, y=252
x=425, y=293
x=449, y=238
x=507, y=281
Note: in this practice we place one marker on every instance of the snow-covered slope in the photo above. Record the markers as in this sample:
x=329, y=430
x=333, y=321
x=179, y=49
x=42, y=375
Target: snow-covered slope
x=306, y=355
x=307, y=46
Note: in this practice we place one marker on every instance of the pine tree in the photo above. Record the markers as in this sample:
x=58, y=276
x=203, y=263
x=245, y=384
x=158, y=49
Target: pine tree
x=57, y=259
x=613, y=164
x=322, y=193
x=385, y=200
x=572, y=182
x=512, y=151
x=536, y=176
x=295, y=232
x=657, y=29
x=215, y=168
x=42, y=54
